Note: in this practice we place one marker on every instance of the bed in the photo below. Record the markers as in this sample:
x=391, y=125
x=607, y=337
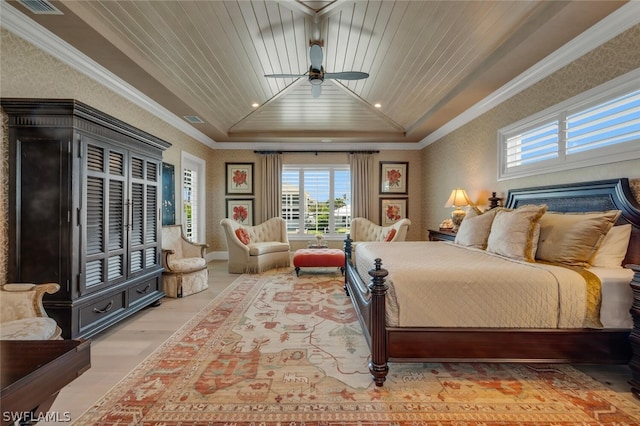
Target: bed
x=569, y=341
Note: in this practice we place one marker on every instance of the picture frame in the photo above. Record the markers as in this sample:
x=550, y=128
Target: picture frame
x=240, y=210
x=239, y=178
x=394, y=177
x=392, y=210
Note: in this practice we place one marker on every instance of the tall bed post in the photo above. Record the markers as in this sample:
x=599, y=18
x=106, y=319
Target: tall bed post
x=347, y=260
x=634, y=337
x=378, y=365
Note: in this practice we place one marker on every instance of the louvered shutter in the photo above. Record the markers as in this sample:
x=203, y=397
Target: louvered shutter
x=104, y=231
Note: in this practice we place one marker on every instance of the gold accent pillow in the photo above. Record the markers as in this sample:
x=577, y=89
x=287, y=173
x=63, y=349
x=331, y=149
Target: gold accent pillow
x=513, y=232
x=474, y=229
x=573, y=238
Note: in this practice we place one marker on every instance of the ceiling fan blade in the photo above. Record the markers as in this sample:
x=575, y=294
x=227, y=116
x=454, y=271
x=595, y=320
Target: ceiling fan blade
x=316, y=90
x=284, y=75
x=316, y=56
x=347, y=75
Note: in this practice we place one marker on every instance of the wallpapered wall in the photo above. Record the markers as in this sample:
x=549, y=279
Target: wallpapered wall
x=468, y=156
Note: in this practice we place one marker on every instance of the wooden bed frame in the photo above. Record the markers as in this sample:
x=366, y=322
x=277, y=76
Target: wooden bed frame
x=588, y=346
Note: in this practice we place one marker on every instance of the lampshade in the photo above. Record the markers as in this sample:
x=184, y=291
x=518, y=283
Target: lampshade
x=458, y=198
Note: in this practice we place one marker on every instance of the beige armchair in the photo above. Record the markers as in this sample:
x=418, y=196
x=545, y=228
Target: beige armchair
x=364, y=230
x=185, y=268
x=265, y=246
x=22, y=315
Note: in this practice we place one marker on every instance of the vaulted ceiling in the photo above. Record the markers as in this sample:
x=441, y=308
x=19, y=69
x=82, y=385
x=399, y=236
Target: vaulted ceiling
x=428, y=61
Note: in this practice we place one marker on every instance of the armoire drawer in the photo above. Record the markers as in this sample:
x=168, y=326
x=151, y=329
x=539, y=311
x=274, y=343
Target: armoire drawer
x=102, y=310
x=141, y=291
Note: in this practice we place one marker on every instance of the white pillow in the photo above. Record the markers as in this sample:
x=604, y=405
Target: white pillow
x=613, y=248
x=515, y=233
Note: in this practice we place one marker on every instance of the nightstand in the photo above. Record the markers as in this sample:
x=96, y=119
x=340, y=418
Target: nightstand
x=441, y=235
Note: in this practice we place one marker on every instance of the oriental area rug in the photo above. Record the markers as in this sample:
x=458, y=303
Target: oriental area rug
x=276, y=349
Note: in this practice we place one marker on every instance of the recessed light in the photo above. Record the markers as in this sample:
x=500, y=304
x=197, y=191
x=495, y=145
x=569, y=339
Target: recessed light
x=378, y=105
x=255, y=105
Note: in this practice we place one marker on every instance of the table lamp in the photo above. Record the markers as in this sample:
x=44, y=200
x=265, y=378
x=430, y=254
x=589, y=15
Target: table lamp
x=457, y=199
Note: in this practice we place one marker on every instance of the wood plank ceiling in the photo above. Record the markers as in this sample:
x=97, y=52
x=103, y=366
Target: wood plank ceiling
x=428, y=60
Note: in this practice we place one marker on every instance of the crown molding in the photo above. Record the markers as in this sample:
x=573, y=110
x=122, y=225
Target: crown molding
x=319, y=147
x=34, y=33
x=616, y=23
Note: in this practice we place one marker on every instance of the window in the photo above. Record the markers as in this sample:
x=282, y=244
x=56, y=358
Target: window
x=598, y=127
x=316, y=199
x=193, y=197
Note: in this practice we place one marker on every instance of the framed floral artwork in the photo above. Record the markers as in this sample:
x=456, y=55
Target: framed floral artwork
x=239, y=178
x=392, y=210
x=240, y=210
x=393, y=177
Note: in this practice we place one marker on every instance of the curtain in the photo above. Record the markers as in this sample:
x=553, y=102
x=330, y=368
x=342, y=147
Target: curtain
x=271, y=186
x=361, y=179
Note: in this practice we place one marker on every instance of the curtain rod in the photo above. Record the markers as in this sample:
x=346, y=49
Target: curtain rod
x=314, y=152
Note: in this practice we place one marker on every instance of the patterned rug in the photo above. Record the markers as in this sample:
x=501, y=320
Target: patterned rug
x=276, y=349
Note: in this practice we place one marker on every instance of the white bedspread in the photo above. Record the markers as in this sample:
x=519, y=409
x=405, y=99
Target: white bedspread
x=447, y=285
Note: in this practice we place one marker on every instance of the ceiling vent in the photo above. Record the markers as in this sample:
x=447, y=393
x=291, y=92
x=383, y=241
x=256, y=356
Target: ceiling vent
x=193, y=119
x=40, y=7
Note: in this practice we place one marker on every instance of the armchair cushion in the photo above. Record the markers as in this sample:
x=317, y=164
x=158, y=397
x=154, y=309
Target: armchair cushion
x=243, y=236
x=187, y=264
x=390, y=235
x=38, y=328
x=270, y=247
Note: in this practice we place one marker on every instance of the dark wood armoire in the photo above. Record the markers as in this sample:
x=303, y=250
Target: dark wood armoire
x=84, y=211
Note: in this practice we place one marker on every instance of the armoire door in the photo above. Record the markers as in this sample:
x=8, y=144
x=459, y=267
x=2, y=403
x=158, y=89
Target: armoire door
x=104, y=210
x=144, y=220
x=40, y=222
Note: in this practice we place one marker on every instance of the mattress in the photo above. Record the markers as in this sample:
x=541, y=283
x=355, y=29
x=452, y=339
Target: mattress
x=438, y=284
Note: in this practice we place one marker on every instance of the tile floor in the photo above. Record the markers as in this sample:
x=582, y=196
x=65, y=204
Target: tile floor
x=118, y=350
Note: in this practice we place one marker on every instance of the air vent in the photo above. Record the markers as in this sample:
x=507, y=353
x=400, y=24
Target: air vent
x=40, y=7
x=193, y=119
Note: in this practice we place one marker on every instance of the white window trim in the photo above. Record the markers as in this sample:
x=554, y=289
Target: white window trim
x=610, y=154
x=189, y=161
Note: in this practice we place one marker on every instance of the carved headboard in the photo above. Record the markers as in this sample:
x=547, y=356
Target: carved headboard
x=602, y=195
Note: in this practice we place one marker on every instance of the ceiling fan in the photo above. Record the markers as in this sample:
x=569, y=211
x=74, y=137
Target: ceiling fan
x=316, y=71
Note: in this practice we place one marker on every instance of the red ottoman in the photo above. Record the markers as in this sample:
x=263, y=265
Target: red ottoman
x=325, y=257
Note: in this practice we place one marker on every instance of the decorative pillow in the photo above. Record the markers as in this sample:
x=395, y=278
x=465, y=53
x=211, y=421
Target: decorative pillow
x=243, y=236
x=513, y=232
x=613, y=248
x=390, y=235
x=573, y=238
x=474, y=229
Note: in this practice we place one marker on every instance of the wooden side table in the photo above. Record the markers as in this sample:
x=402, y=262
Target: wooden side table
x=441, y=235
